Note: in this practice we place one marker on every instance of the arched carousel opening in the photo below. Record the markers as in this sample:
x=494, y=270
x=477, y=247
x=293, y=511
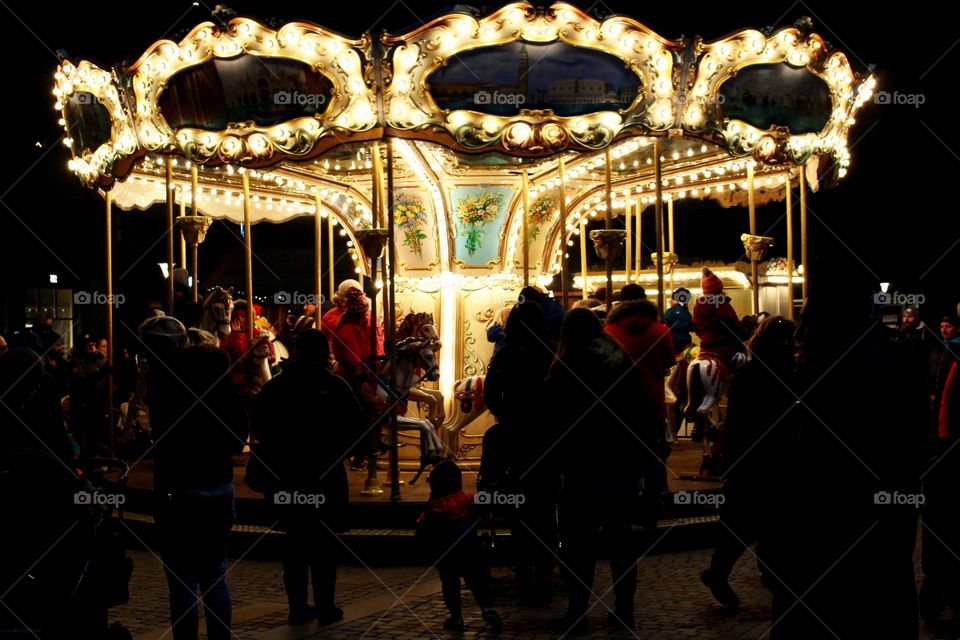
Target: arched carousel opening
x=451, y=166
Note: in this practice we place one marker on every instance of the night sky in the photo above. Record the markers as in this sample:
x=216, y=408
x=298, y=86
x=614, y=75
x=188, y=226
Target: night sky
x=891, y=219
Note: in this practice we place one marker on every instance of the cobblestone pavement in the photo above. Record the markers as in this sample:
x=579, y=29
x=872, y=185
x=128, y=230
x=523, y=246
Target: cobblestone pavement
x=405, y=603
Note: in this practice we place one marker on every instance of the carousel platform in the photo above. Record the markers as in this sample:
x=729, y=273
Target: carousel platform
x=382, y=530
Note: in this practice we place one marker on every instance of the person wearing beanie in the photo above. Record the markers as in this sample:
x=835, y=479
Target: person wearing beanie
x=716, y=322
x=331, y=319
x=244, y=370
x=632, y=291
x=678, y=318
x=448, y=527
x=306, y=448
x=194, y=443
x=552, y=312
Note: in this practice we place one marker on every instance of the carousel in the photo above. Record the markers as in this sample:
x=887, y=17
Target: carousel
x=473, y=156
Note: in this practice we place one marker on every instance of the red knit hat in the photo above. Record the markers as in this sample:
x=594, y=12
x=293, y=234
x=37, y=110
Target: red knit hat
x=355, y=300
x=710, y=282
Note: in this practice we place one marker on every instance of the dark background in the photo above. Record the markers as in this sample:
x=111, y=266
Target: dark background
x=891, y=219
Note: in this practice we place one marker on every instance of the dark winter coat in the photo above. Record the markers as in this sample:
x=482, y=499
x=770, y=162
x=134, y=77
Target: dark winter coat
x=194, y=439
x=601, y=447
x=307, y=421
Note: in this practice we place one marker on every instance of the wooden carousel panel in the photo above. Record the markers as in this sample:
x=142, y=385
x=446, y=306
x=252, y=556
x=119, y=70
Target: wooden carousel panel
x=479, y=214
x=416, y=231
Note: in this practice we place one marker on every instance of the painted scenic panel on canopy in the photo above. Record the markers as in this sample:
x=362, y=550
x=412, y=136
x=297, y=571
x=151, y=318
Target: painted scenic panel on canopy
x=416, y=230
x=478, y=216
x=504, y=79
x=765, y=95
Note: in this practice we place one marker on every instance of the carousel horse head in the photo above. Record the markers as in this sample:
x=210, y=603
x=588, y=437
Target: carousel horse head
x=217, y=309
x=423, y=354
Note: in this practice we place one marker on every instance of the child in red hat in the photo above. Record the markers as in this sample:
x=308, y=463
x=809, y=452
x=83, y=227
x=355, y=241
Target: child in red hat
x=716, y=322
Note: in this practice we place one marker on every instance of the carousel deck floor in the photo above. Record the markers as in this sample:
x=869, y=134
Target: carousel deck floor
x=684, y=465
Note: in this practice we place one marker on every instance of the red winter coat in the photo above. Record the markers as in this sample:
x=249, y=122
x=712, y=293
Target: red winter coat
x=719, y=328
x=351, y=347
x=330, y=320
x=650, y=345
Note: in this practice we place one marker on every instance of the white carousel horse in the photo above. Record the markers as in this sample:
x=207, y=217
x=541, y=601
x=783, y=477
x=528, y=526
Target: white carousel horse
x=468, y=406
x=217, y=310
x=708, y=379
x=258, y=364
x=415, y=353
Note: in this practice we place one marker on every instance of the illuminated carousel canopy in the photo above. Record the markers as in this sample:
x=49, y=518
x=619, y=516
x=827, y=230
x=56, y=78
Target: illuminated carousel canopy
x=520, y=82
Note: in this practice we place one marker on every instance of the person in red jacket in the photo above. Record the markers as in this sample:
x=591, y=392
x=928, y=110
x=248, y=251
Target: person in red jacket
x=716, y=322
x=648, y=343
x=351, y=342
x=331, y=319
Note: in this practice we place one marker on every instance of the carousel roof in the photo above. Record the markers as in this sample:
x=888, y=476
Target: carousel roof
x=470, y=105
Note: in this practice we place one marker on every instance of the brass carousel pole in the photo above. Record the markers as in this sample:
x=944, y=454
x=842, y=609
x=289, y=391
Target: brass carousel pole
x=170, y=235
x=563, y=227
x=803, y=232
x=608, y=225
x=628, y=225
x=318, y=256
x=391, y=323
x=251, y=312
x=109, y=211
x=658, y=220
x=524, y=231
x=195, y=204
x=789, y=248
x=670, y=240
x=583, y=256
x=372, y=242
x=183, y=238
x=638, y=209
x=753, y=232
x=330, y=263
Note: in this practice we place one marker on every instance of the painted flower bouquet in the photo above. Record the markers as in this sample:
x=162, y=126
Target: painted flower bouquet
x=475, y=212
x=540, y=212
x=409, y=215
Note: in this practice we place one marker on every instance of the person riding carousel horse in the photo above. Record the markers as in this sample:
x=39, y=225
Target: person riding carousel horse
x=722, y=351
